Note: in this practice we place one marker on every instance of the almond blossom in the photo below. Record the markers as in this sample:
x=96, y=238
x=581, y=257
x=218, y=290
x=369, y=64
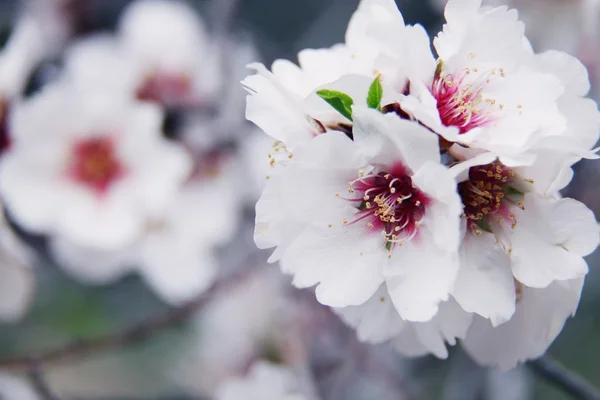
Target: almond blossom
x=98, y=162
x=264, y=381
x=176, y=252
x=277, y=100
x=515, y=236
x=351, y=215
x=508, y=123
x=170, y=45
x=479, y=92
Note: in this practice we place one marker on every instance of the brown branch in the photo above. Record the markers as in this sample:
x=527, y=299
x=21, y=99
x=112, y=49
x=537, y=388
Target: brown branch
x=39, y=382
x=135, y=334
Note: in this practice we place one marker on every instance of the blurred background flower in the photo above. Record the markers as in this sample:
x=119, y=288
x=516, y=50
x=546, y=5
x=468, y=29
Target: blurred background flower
x=129, y=176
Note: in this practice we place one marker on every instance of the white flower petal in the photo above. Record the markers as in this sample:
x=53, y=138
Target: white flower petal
x=538, y=319
x=540, y=241
x=409, y=274
x=485, y=284
x=276, y=110
x=442, y=215
x=89, y=265
x=177, y=268
x=415, y=145
x=375, y=321
x=345, y=262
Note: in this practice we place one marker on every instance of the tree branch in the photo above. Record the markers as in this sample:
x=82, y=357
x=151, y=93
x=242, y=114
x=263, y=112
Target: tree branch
x=560, y=377
x=134, y=334
x=39, y=383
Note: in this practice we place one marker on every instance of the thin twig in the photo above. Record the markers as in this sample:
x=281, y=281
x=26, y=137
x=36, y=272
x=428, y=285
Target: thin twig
x=39, y=383
x=135, y=334
x=569, y=382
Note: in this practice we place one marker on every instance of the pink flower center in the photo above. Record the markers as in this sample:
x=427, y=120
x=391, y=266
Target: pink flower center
x=95, y=163
x=167, y=89
x=460, y=99
x=488, y=196
x=389, y=203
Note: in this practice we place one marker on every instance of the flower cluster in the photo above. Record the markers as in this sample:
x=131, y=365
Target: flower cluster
x=420, y=193
x=115, y=160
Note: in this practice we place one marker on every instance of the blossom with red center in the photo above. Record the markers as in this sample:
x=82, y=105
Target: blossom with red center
x=480, y=90
x=518, y=240
x=389, y=203
x=397, y=220
x=488, y=195
x=461, y=103
x=89, y=169
x=95, y=163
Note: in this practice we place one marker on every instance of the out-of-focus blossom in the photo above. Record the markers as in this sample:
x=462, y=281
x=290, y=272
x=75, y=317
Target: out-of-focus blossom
x=16, y=277
x=258, y=313
x=170, y=45
x=163, y=54
x=15, y=388
x=89, y=167
x=176, y=250
x=265, y=381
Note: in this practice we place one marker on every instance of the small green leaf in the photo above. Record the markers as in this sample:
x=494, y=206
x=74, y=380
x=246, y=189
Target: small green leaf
x=338, y=100
x=388, y=246
x=375, y=94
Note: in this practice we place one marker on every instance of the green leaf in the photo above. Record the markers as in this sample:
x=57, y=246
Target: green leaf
x=338, y=100
x=375, y=94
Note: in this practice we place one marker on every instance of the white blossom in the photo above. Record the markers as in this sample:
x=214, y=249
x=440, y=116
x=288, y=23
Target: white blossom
x=176, y=253
x=16, y=388
x=265, y=381
x=170, y=45
x=258, y=313
x=350, y=215
x=89, y=167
